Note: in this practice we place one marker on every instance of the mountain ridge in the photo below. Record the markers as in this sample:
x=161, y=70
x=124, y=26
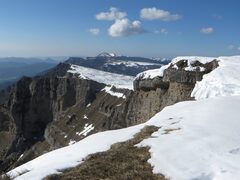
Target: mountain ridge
x=66, y=105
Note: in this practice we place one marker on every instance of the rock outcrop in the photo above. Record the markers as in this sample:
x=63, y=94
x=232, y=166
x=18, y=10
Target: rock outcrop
x=153, y=94
x=178, y=72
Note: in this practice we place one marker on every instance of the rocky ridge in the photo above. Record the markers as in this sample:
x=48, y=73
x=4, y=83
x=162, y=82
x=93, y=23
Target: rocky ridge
x=58, y=108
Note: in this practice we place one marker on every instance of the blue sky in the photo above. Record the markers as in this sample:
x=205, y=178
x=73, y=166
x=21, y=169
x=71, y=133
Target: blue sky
x=151, y=28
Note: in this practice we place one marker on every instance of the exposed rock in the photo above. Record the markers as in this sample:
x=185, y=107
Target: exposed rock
x=176, y=73
x=4, y=95
x=182, y=76
x=34, y=103
x=150, y=84
x=7, y=129
x=145, y=104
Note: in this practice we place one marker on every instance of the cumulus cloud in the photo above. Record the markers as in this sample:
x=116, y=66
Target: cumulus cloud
x=158, y=14
x=207, y=30
x=124, y=27
x=94, y=31
x=113, y=14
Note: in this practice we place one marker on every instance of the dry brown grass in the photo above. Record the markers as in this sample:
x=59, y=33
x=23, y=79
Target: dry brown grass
x=168, y=131
x=122, y=161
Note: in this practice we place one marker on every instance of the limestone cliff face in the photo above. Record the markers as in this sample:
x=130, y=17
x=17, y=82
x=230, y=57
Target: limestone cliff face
x=58, y=109
x=145, y=104
x=151, y=95
x=7, y=129
x=34, y=103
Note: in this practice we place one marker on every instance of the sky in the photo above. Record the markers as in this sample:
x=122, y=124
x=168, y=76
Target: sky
x=149, y=28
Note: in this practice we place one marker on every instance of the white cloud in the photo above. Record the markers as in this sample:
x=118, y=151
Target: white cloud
x=162, y=31
x=238, y=48
x=124, y=27
x=94, y=31
x=113, y=14
x=158, y=14
x=207, y=30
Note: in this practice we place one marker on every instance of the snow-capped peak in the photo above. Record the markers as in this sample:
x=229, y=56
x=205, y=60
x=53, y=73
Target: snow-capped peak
x=160, y=59
x=105, y=54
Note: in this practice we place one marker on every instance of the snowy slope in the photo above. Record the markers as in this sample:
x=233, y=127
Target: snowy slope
x=204, y=142
x=72, y=155
x=120, y=81
x=223, y=81
x=197, y=140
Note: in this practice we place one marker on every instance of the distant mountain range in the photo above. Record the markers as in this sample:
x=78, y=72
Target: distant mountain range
x=13, y=68
x=113, y=63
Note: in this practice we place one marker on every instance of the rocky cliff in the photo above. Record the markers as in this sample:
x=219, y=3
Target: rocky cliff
x=59, y=108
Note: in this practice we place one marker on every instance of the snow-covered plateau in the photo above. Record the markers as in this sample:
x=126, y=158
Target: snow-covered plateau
x=119, y=81
x=196, y=140
x=131, y=63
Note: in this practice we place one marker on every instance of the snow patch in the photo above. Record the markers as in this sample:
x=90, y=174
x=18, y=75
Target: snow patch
x=150, y=74
x=193, y=59
x=87, y=129
x=108, y=89
x=71, y=142
x=132, y=63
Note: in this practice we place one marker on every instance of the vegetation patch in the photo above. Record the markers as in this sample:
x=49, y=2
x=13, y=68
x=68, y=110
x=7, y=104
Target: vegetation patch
x=122, y=161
